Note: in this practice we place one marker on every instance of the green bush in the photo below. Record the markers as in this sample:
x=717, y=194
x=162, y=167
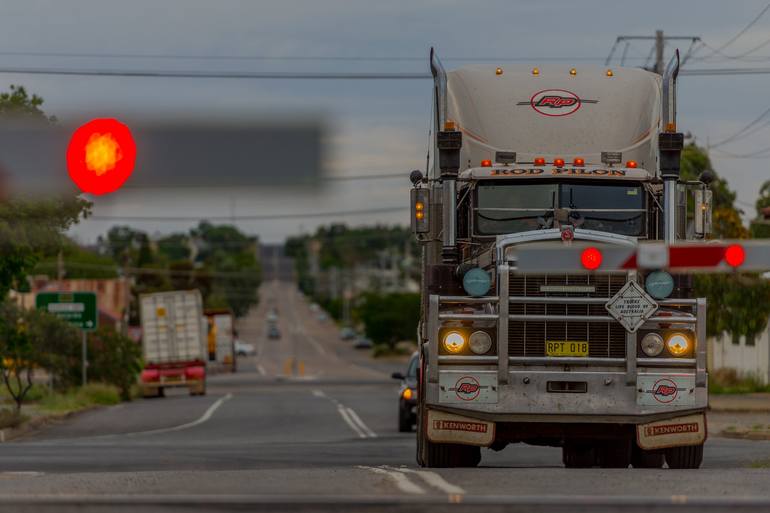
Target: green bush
x=114, y=359
x=390, y=318
x=93, y=394
x=728, y=381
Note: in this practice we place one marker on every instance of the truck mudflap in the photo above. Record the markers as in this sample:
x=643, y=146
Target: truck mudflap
x=676, y=432
x=449, y=428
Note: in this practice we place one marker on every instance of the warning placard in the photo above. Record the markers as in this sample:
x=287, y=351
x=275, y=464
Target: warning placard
x=631, y=306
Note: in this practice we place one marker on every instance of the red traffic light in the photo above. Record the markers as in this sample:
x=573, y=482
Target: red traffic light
x=101, y=156
x=735, y=255
x=591, y=258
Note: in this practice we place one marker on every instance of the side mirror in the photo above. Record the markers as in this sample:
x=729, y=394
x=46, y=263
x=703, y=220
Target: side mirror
x=398, y=375
x=702, y=212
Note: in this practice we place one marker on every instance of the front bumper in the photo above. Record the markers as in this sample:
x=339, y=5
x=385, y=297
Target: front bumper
x=594, y=396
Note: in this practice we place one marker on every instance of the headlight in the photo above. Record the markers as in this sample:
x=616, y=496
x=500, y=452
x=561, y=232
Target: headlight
x=480, y=342
x=678, y=344
x=659, y=284
x=652, y=344
x=477, y=282
x=454, y=342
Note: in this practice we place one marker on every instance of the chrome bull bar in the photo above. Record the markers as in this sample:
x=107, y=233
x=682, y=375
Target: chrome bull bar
x=503, y=361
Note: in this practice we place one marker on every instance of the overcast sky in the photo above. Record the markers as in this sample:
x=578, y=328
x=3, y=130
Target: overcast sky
x=375, y=127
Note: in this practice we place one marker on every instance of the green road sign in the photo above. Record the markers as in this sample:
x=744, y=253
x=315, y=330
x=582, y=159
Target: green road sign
x=77, y=308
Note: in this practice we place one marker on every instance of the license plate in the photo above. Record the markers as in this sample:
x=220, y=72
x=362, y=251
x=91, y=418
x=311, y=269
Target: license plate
x=566, y=348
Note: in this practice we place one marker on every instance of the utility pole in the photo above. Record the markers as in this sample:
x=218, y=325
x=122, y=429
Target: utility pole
x=659, y=41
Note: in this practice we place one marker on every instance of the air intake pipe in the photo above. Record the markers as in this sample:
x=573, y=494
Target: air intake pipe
x=448, y=144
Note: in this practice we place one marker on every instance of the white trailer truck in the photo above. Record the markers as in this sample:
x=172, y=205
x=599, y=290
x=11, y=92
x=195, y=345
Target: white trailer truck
x=610, y=366
x=173, y=342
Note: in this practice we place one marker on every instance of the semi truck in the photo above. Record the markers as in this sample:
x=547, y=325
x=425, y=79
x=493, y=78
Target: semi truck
x=608, y=365
x=173, y=342
x=220, y=337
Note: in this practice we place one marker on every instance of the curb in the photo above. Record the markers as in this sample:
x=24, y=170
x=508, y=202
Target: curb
x=744, y=435
x=37, y=423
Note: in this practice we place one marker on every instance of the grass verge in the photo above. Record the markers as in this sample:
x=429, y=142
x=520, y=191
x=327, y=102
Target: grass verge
x=727, y=381
x=94, y=394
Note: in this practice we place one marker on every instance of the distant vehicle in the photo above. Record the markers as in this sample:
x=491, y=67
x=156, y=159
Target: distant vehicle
x=273, y=332
x=363, y=343
x=322, y=316
x=221, y=337
x=407, y=395
x=244, y=349
x=347, y=333
x=315, y=307
x=272, y=315
x=173, y=342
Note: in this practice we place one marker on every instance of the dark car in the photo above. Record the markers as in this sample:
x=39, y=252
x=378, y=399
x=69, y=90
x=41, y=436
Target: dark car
x=273, y=332
x=407, y=395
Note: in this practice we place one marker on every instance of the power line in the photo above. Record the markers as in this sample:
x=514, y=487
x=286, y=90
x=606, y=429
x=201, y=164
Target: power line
x=752, y=126
x=742, y=31
x=265, y=217
x=289, y=75
x=295, y=58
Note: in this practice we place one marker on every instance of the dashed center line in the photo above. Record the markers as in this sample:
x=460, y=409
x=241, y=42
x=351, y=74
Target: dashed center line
x=431, y=479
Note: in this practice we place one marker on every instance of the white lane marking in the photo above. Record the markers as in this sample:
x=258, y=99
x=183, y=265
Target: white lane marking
x=261, y=369
x=364, y=427
x=205, y=417
x=349, y=416
x=346, y=417
x=431, y=479
x=400, y=480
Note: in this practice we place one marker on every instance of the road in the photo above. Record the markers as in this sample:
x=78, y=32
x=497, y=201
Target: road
x=325, y=440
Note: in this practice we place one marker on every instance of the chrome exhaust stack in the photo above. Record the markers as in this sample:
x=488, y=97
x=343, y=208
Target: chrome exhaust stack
x=670, y=145
x=448, y=144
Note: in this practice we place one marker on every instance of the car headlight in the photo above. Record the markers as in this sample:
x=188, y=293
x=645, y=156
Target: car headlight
x=659, y=284
x=678, y=344
x=480, y=342
x=454, y=342
x=652, y=344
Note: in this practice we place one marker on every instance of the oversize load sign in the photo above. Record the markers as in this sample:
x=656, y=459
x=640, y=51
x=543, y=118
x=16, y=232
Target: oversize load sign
x=77, y=308
x=631, y=306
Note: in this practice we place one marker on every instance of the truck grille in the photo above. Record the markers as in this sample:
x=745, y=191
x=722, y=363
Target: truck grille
x=527, y=338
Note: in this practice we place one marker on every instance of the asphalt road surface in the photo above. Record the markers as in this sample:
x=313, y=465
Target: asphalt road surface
x=321, y=435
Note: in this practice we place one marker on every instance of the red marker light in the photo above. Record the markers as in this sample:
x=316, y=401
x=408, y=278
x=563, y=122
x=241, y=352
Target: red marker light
x=631, y=164
x=539, y=161
x=558, y=162
x=486, y=163
x=591, y=258
x=735, y=255
x=101, y=156
x=579, y=162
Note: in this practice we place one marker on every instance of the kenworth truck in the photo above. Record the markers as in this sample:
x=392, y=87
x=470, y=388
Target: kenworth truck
x=610, y=366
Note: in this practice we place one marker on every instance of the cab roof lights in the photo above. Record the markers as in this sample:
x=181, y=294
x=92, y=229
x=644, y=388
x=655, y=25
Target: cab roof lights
x=486, y=163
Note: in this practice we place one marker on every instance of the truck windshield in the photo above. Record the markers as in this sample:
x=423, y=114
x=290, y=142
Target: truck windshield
x=511, y=208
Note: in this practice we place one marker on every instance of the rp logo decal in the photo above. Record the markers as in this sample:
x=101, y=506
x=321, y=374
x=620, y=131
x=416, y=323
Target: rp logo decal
x=467, y=388
x=664, y=391
x=556, y=102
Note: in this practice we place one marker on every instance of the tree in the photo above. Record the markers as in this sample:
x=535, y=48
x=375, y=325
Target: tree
x=31, y=229
x=761, y=230
x=737, y=304
x=389, y=318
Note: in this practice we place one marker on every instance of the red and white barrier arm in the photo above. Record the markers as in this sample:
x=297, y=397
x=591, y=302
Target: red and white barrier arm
x=682, y=257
